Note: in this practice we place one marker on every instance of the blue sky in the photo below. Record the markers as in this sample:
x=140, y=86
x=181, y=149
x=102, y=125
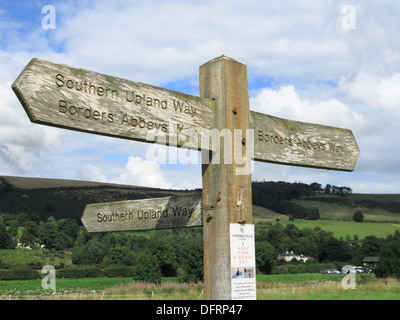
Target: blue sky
x=304, y=63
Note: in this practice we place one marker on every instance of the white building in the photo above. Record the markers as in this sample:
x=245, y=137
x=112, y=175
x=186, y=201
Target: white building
x=289, y=256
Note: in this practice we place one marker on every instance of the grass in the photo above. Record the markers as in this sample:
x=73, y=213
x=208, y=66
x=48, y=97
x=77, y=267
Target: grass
x=296, y=278
x=167, y=290
x=116, y=288
x=269, y=287
x=384, y=208
x=38, y=258
x=317, y=287
x=343, y=228
x=31, y=288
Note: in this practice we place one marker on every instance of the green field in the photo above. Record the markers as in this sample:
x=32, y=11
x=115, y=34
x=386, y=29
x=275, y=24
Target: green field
x=35, y=258
x=325, y=287
x=269, y=287
x=351, y=228
x=337, y=219
x=374, y=209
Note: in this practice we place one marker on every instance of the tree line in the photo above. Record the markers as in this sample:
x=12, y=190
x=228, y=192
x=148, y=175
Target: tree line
x=179, y=252
x=322, y=247
x=277, y=196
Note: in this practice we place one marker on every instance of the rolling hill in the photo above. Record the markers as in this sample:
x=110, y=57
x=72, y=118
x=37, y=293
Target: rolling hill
x=381, y=214
x=41, y=198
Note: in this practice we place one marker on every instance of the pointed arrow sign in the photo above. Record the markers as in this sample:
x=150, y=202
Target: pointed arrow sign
x=303, y=144
x=77, y=99
x=146, y=214
x=82, y=100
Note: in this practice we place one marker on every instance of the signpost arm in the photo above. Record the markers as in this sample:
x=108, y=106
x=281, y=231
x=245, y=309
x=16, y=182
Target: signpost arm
x=226, y=194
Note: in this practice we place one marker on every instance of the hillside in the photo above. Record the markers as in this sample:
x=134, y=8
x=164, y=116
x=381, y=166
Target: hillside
x=375, y=208
x=381, y=214
x=41, y=198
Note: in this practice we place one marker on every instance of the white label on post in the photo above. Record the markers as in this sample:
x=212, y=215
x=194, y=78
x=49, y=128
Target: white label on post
x=243, y=262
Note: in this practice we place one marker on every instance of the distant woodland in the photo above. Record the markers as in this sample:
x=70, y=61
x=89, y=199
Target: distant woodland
x=47, y=220
x=277, y=196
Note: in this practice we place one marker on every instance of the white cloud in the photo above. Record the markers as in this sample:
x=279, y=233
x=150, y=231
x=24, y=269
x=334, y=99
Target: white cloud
x=18, y=157
x=287, y=103
x=156, y=41
x=316, y=72
x=139, y=172
x=23, y=146
x=375, y=91
x=89, y=172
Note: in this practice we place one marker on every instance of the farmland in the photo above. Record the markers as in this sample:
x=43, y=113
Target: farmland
x=341, y=229
x=90, y=266
x=269, y=287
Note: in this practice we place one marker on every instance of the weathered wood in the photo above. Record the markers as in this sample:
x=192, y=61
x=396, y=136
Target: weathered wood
x=303, y=144
x=146, y=214
x=226, y=194
x=62, y=96
x=82, y=100
x=77, y=99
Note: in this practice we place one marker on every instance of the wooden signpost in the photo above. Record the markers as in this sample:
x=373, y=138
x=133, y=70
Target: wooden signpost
x=302, y=144
x=145, y=214
x=62, y=96
x=82, y=100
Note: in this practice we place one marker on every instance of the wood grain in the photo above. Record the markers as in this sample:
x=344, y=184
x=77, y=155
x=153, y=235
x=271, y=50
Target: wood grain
x=62, y=96
x=226, y=194
x=303, y=144
x=147, y=214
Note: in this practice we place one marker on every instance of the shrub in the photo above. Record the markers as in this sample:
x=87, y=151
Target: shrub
x=389, y=263
x=316, y=267
x=147, y=269
x=296, y=268
x=19, y=274
x=358, y=216
x=118, y=271
x=79, y=272
x=280, y=270
x=302, y=268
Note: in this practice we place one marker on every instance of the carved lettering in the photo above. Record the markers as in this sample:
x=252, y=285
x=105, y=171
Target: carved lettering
x=179, y=211
x=87, y=87
x=144, y=214
x=152, y=214
x=182, y=108
x=301, y=143
x=113, y=216
x=131, y=96
x=139, y=122
x=142, y=99
x=84, y=112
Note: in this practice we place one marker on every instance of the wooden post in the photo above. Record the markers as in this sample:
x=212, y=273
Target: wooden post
x=226, y=194
x=77, y=99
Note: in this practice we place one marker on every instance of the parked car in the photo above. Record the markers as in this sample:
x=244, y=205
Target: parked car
x=348, y=269
x=353, y=269
x=359, y=269
x=363, y=270
x=367, y=270
x=329, y=271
